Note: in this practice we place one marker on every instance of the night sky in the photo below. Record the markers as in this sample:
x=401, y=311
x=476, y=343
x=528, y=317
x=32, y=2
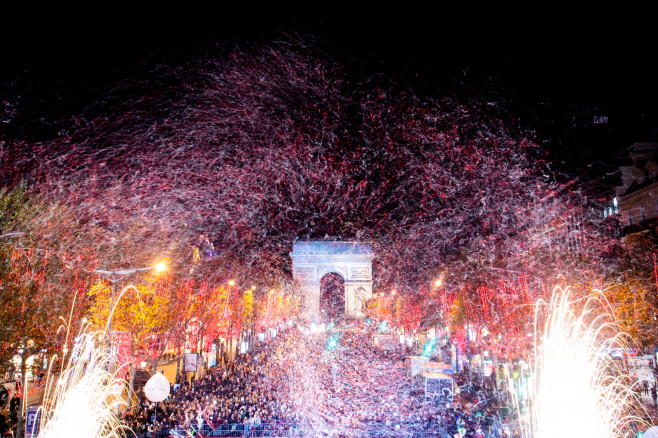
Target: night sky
x=62, y=59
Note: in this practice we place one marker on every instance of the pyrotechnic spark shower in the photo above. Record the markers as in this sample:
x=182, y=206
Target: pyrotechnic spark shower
x=85, y=399
x=580, y=391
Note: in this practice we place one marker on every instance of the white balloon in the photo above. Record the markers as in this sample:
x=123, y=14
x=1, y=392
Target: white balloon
x=157, y=388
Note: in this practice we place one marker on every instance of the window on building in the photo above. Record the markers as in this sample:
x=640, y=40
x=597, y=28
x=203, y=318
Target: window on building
x=643, y=213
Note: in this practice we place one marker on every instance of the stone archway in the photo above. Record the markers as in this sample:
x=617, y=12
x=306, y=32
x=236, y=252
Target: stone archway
x=332, y=296
x=312, y=259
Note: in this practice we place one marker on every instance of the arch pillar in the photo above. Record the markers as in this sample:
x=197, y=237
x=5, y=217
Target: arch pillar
x=312, y=291
x=356, y=293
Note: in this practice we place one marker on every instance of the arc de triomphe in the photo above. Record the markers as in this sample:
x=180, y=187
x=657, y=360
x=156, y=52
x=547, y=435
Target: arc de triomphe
x=312, y=259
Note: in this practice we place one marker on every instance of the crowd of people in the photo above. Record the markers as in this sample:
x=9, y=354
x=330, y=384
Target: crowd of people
x=10, y=401
x=337, y=381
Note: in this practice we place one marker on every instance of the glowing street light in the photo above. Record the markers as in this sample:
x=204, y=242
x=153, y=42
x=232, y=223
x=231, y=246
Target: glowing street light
x=439, y=281
x=160, y=267
x=114, y=276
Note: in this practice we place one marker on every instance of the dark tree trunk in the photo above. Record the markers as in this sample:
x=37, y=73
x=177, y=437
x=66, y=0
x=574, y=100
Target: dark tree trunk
x=21, y=423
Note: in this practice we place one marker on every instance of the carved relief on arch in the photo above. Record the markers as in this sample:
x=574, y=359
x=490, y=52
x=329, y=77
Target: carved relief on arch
x=304, y=274
x=359, y=300
x=360, y=273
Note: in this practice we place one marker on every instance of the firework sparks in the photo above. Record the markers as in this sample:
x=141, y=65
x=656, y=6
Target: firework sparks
x=84, y=400
x=580, y=391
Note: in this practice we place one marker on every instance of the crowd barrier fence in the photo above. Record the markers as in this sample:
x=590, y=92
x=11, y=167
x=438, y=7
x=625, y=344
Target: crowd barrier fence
x=267, y=430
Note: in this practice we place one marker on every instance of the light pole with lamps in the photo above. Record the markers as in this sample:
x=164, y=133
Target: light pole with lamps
x=114, y=276
x=118, y=275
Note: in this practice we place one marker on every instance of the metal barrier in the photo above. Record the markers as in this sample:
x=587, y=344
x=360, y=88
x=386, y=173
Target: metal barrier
x=292, y=430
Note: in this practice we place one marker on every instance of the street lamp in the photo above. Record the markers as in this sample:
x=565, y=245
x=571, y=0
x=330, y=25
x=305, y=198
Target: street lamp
x=160, y=267
x=114, y=276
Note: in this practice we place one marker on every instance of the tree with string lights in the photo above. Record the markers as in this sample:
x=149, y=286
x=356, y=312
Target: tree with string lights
x=42, y=286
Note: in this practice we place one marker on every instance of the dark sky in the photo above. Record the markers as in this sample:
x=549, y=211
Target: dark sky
x=576, y=50
x=595, y=56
